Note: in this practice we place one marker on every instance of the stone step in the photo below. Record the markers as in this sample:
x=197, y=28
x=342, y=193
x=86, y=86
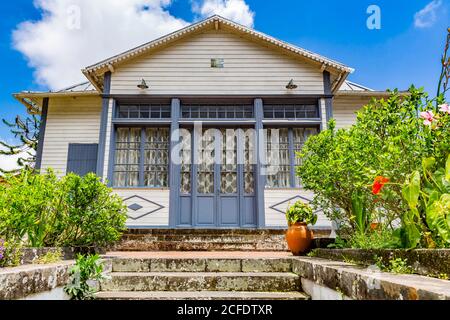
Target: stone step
x=201, y=265
x=221, y=232
x=198, y=281
x=200, y=295
x=205, y=238
x=136, y=245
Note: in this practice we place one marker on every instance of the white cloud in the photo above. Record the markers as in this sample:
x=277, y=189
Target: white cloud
x=427, y=16
x=235, y=10
x=73, y=34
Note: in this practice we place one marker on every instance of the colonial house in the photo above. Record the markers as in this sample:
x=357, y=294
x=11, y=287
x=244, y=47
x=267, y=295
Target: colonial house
x=143, y=122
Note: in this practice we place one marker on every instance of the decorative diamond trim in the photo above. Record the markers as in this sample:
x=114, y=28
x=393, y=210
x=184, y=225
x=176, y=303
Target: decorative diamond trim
x=135, y=207
x=159, y=207
x=274, y=207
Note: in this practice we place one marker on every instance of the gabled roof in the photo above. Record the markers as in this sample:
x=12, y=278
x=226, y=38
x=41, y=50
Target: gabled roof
x=81, y=87
x=352, y=86
x=95, y=72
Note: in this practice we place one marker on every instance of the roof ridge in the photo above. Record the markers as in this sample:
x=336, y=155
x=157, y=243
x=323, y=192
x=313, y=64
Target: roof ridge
x=360, y=85
x=196, y=25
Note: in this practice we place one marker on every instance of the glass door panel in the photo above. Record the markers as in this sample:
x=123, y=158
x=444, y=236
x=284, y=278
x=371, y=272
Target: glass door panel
x=205, y=171
x=229, y=173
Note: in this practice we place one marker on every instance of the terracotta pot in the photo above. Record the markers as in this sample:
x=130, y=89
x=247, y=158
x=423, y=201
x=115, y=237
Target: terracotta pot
x=299, y=238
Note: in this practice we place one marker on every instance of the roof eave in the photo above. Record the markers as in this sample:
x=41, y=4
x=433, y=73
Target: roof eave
x=104, y=65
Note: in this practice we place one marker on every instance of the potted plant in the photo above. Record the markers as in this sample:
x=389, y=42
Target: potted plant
x=298, y=235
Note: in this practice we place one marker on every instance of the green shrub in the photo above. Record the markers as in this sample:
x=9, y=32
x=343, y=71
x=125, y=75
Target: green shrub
x=427, y=222
x=10, y=253
x=340, y=166
x=395, y=265
x=300, y=212
x=52, y=256
x=42, y=210
x=91, y=215
x=87, y=269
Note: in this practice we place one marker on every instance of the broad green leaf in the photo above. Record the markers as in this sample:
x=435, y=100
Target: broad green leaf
x=411, y=191
x=359, y=211
x=428, y=163
x=447, y=169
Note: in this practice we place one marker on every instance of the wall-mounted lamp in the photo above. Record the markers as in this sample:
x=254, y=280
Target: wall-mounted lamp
x=291, y=85
x=143, y=85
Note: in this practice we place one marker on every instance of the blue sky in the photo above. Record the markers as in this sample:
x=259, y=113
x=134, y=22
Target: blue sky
x=399, y=54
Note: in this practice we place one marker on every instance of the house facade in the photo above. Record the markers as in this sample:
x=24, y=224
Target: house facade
x=199, y=128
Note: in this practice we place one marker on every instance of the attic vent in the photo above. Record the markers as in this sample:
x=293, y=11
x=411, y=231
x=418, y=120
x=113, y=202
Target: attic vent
x=217, y=63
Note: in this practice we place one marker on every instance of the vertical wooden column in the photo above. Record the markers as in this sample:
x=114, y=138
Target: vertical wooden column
x=260, y=160
x=103, y=125
x=42, y=126
x=174, y=167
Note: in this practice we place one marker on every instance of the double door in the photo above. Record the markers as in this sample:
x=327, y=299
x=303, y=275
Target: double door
x=218, y=187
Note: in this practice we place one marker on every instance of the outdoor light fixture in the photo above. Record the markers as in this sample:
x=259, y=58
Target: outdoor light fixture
x=291, y=85
x=143, y=85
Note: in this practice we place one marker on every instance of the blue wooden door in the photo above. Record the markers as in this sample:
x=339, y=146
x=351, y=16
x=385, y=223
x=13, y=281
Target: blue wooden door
x=223, y=181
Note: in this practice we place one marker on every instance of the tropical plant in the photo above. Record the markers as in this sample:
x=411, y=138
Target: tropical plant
x=427, y=222
x=91, y=214
x=10, y=253
x=300, y=212
x=27, y=132
x=42, y=210
x=87, y=270
x=51, y=256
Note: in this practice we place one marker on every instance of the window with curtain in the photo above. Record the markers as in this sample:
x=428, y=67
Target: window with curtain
x=278, y=158
x=141, y=157
x=300, y=135
x=282, y=146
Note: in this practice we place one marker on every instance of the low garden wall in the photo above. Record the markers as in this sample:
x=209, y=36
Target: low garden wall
x=433, y=262
x=326, y=279
x=38, y=282
x=32, y=255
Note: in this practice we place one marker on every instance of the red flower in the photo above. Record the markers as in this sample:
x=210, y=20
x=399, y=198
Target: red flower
x=379, y=184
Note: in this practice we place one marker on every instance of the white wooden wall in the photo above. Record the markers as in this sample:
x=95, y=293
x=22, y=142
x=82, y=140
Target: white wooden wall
x=185, y=68
x=345, y=108
x=157, y=196
x=69, y=120
x=280, y=199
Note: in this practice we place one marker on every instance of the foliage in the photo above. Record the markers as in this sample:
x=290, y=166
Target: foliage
x=397, y=265
x=300, y=212
x=87, y=269
x=339, y=243
x=10, y=253
x=383, y=238
x=51, y=256
x=445, y=71
x=427, y=222
x=27, y=132
x=91, y=216
x=42, y=210
x=340, y=165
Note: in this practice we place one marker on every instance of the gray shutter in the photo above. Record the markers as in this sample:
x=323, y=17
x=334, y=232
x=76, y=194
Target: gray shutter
x=82, y=158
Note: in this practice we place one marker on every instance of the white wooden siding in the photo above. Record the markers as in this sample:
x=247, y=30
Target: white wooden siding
x=159, y=218
x=280, y=199
x=69, y=120
x=345, y=108
x=323, y=111
x=185, y=68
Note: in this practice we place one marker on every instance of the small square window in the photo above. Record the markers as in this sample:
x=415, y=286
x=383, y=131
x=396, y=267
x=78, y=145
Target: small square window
x=217, y=63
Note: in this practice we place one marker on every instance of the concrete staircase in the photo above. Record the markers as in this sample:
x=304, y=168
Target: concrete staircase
x=206, y=240
x=212, y=278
